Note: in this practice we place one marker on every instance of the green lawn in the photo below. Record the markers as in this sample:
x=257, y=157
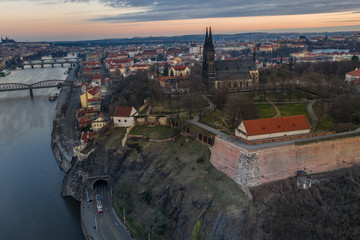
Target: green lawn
x=266, y=110
x=212, y=119
x=325, y=121
x=159, y=132
x=293, y=109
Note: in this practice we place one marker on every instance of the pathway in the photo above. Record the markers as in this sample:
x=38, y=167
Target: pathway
x=310, y=110
x=278, y=114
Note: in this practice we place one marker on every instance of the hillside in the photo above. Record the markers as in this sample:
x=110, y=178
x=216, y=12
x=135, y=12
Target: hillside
x=170, y=190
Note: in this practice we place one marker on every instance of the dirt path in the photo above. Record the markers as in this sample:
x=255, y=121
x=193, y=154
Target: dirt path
x=310, y=110
x=278, y=114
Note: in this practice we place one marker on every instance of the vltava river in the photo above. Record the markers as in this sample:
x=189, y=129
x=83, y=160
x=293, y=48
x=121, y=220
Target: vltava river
x=31, y=205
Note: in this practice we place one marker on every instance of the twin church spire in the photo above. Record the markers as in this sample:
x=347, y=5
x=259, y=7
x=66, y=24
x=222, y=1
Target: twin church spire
x=209, y=45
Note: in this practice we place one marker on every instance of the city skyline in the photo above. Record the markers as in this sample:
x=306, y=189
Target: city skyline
x=56, y=20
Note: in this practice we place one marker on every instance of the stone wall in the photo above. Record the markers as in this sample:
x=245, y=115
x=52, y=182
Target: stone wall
x=283, y=162
x=253, y=167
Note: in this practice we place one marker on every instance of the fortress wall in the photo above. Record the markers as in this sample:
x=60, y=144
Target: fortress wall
x=225, y=156
x=254, y=167
x=283, y=162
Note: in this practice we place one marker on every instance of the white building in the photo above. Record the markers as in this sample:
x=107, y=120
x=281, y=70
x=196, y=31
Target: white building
x=124, y=116
x=272, y=127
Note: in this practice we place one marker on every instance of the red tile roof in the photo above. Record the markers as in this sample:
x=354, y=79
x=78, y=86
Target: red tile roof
x=94, y=90
x=123, y=111
x=275, y=125
x=86, y=135
x=355, y=72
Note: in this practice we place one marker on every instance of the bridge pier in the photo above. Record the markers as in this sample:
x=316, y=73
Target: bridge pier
x=31, y=92
x=32, y=66
x=42, y=65
x=52, y=65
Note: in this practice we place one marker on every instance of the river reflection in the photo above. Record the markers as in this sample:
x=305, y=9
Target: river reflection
x=30, y=180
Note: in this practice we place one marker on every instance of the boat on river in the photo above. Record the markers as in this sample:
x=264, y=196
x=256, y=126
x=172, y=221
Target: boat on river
x=4, y=73
x=53, y=96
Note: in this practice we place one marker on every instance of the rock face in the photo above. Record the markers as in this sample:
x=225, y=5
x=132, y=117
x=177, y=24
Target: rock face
x=174, y=181
x=101, y=162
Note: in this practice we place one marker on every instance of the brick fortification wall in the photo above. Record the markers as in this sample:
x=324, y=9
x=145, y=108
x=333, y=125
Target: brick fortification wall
x=253, y=167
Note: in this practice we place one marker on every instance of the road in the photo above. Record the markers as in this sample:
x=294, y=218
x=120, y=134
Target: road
x=109, y=227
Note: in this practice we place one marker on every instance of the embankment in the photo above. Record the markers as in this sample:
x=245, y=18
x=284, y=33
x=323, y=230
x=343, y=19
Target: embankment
x=59, y=144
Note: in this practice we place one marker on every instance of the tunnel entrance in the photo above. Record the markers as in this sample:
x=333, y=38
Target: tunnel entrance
x=100, y=184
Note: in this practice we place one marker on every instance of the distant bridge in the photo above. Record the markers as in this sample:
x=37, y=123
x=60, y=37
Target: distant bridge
x=4, y=87
x=51, y=62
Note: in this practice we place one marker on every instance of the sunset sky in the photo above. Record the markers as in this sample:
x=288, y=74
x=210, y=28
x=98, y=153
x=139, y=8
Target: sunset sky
x=48, y=20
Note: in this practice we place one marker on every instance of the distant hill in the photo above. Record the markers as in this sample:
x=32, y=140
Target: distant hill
x=256, y=36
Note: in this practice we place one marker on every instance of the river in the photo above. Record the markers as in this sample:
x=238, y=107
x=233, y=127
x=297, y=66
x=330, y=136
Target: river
x=30, y=179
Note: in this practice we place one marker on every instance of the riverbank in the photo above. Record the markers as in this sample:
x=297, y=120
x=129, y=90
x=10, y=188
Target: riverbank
x=60, y=144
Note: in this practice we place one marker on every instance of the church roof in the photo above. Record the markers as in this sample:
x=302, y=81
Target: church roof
x=234, y=69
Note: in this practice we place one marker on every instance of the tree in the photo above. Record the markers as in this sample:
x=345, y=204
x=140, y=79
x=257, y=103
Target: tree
x=355, y=58
x=241, y=109
x=153, y=222
x=219, y=98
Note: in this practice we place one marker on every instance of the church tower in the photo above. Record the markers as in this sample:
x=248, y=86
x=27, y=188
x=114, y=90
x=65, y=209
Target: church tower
x=208, y=71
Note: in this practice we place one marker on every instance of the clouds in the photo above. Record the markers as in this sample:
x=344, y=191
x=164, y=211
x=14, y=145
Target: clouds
x=162, y=10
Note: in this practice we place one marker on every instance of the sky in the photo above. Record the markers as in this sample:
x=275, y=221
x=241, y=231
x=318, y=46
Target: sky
x=59, y=20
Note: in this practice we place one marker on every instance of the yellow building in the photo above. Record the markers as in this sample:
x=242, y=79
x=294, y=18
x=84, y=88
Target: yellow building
x=93, y=93
x=99, y=123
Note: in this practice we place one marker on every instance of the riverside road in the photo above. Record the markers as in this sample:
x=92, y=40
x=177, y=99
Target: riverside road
x=104, y=225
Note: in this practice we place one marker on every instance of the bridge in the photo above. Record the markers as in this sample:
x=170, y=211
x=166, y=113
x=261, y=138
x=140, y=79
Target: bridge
x=51, y=62
x=4, y=87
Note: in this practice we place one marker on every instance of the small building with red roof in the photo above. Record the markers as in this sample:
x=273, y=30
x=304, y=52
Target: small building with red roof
x=273, y=127
x=85, y=136
x=179, y=71
x=124, y=116
x=352, y=76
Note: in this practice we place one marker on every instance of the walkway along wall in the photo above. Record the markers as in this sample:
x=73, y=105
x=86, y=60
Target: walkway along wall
x=253, y=167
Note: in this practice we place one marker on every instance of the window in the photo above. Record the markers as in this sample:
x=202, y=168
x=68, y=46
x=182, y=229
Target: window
x=125, y=120
x=119, y=120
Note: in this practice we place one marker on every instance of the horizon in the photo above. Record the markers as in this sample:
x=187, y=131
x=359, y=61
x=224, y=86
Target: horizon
x=85, y=20
x=184, y=35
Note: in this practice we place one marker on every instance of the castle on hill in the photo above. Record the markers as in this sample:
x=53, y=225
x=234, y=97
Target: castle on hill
x=235, y=75
x=7, y=40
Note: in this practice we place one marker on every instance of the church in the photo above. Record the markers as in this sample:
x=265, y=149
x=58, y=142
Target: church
x=235, y=75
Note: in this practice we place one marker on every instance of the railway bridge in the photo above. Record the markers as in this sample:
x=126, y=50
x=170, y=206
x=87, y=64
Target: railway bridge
x=4, y=87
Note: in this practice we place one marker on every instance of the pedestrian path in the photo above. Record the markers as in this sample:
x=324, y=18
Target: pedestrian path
x=310, y=110
x=278, y=114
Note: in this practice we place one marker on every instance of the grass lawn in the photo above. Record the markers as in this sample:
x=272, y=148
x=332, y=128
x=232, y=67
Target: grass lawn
x=266, y=110
x=325, y=121
x=159, y=132
x=214, y=119
x=293, y=109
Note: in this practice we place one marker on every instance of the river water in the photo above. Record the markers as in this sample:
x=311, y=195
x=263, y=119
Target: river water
x=31, y=205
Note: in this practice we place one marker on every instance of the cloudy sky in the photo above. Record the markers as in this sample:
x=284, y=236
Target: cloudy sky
x=35, y=20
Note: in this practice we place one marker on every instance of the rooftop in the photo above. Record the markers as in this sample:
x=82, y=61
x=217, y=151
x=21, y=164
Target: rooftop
x=274, y=125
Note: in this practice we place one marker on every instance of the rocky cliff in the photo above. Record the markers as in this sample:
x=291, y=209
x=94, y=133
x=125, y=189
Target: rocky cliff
x=170, y=190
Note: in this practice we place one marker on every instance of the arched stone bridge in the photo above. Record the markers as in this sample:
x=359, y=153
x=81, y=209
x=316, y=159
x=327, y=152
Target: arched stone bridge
x=4, y=87
x=51, y=62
